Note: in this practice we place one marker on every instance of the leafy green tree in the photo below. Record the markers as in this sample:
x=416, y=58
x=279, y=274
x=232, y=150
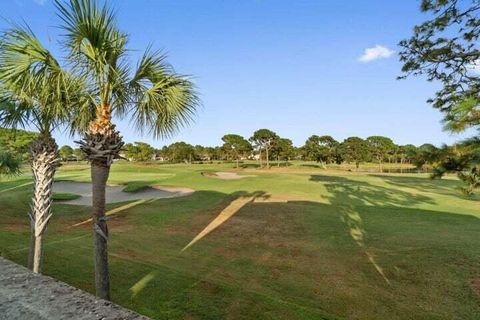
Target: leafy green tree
x=9, y=164
x=445, y=48
x=181, y=152
x=212, y=153
x=65, y=152
x=36, y=91
x=263, y=139
x=17, y=141
x=236, y=146
x=463, y=159
x=199, y=152
x=139, y=151
x=283, y=150
x=355, y=149
x=320, y=148
x=78, y=153
x=152, y=95
x=379, y=148
x=425, y=154
x=410, y=152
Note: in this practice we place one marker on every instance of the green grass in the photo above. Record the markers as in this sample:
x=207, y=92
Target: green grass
x=327, y=244
x=64, y=196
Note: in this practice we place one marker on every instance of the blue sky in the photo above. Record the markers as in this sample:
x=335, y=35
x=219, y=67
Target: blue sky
x=295, y=67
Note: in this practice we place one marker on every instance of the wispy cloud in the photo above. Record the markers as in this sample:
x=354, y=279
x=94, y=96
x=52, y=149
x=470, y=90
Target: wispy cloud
x=40, y=2
x=375, y=53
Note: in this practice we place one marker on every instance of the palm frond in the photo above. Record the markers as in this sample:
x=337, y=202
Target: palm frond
x=163, y=101
x=94, y=43
x=33, y=81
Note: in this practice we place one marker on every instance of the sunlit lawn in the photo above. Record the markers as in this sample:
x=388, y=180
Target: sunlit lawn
x=311, y=244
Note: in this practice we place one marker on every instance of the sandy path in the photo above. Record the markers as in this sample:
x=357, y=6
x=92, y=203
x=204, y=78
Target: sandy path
x=115, y=193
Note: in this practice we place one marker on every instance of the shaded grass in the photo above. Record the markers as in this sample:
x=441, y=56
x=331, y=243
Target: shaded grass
x=64, y=196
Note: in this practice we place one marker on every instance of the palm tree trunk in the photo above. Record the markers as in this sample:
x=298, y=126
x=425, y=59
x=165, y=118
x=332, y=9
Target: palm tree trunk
x=99, y=173
x=31, y=247
x=101, y=144
x=44, y=162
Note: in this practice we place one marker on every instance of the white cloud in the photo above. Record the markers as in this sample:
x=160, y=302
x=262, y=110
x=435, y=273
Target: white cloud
x=375, y=53
x=40, y=2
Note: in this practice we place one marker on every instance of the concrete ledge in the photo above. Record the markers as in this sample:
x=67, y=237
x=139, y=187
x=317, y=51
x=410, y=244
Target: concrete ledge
x=25, y=295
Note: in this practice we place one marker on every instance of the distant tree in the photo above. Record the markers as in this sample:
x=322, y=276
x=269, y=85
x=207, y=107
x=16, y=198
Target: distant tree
x=425, y=154
x=283, y=150
x=236, y=146
x=379, y=148
x=212, y=153
x=65, y=152
x=9, y=164
x=263, y=139
x=139, y=151
x=199, y=152
x=162, y=153
x=181, y=152
x=410, y=152
x=355, y=149
x=320, y=148
x=78, y=153
x=446, y=48
x=17, y=141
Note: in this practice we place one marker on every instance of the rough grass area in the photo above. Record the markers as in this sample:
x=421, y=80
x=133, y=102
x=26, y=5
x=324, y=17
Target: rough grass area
x=312, y=244
x=64, y=196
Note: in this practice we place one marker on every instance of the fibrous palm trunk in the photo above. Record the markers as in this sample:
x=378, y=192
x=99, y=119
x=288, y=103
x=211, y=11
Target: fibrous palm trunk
x=44, y=163
x=101, y=144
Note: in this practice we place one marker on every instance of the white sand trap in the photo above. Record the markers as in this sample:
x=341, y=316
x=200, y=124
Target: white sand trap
x=226, y=175
x=115, y=193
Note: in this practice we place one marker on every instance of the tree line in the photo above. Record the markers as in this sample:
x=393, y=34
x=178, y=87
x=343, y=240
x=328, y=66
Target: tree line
x=266, y=146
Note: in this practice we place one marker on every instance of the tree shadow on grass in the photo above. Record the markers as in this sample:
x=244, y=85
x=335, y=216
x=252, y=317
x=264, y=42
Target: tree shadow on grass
x=351, y=195
x=440, y=186
x=344, y=191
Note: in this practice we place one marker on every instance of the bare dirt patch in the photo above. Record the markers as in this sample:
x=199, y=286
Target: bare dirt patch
x=116, y=194
x=475, y=283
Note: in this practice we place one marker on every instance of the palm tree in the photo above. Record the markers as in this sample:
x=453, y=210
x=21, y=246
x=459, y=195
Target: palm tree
x=34, y=91
x=153, y=95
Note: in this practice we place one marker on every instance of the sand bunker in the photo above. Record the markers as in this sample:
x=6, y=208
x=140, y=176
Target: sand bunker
x=226, y=175
x=115, y=193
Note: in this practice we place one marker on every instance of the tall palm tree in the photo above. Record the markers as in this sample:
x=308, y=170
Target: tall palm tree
x=157, y=100
x=34, y=91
